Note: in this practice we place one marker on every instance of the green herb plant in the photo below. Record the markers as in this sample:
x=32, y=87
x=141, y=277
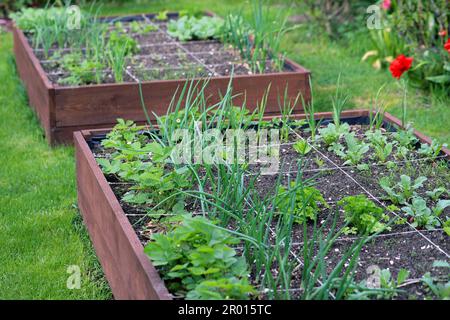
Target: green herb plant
x=302, y=203
x=363, y=214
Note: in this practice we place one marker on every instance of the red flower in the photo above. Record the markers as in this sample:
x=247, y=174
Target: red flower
x=447, y=45
x=442, y=33
x=400, y=65
x=386, y=5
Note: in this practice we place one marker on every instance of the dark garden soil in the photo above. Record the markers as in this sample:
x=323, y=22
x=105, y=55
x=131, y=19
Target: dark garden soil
x=399, y=246
x=159, y=57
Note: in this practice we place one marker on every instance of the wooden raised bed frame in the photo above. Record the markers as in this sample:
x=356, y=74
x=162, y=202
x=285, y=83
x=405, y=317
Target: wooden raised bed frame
x=64, y=110
x=127, y=268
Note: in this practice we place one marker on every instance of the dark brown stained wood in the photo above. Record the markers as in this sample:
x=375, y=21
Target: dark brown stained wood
x=129, y=272
x=103, y=104
x=40, y=90
x=64, y=110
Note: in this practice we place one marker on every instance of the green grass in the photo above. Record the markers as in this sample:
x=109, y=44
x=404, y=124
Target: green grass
x=40, y=230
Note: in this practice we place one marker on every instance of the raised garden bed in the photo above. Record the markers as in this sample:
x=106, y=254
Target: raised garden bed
x=162, y=63
x=120, y=229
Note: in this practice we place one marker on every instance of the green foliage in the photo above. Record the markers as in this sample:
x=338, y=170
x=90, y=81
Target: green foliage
x=197, y=251
x=123, y=133
x=145, y=162
x=436, y=193
x=383, y=152
x=49, y=26
x=303, y=202
x=81, y=70
x=192, y=28
x=406, y=138
x=446, y=226
x=302, y=147
x=332, y=133
x=431, y=151
x=258, y=38
x=222, y=289
x=124, y=41
x=363, y=214
x=379, y=143
x=423, y=216
x=389, y=284
x=440, y=288
x=402, y=191
x=142, y=28
x=386, y=46
x=162, y=16
x=355, y=150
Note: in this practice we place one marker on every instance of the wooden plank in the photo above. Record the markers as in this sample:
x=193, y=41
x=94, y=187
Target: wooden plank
x=40, y=90
x=128, y=270
x=103, y=104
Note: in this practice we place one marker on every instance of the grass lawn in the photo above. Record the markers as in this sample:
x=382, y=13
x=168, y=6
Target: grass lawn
x=40, y=228
x=41, y=232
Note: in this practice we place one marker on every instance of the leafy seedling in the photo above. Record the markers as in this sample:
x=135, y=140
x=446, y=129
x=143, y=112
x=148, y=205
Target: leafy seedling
x=402, y=191
x=302, y=147
x=363, y=214
x=303, y=203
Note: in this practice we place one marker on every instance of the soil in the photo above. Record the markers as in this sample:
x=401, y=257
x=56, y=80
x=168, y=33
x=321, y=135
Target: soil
x=400, y=246
x=162, y=57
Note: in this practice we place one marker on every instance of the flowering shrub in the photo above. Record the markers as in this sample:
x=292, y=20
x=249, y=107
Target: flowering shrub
x=417, y=28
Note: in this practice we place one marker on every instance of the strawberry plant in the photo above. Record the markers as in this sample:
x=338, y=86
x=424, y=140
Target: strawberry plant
x=222, y=289
x=196, y=251
x=123, y=133
x=363, y=214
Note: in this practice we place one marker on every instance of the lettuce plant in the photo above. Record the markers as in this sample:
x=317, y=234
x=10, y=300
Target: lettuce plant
x=302, y=147
x=303, y=203
x=363, y=214
x=189, y=28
